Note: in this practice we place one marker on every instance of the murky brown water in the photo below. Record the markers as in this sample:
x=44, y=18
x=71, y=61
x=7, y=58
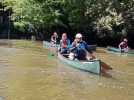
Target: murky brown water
x=27, y=72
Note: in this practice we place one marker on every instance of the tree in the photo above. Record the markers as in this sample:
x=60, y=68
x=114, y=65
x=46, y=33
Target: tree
x=108, y=18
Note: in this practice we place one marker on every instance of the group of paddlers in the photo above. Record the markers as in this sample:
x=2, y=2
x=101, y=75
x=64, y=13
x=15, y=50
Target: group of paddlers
x=78, y=49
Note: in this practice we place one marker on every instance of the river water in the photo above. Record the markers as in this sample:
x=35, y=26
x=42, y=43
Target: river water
x=28, y=72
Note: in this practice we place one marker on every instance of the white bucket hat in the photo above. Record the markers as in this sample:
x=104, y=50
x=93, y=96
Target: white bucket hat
x=79, y=35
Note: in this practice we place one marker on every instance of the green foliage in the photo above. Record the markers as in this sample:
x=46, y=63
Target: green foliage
x=107, y=17
x=20, y=26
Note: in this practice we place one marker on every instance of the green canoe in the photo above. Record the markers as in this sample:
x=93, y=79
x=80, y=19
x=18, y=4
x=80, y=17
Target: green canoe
x=118, y=50
x=92, y=66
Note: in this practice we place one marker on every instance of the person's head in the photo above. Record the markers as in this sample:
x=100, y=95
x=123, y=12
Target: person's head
x=78, y=37
x=55, y=33
x=64, y=36
x=125, y=40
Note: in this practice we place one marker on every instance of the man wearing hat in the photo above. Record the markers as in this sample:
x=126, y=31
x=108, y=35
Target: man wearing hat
x=80, y=49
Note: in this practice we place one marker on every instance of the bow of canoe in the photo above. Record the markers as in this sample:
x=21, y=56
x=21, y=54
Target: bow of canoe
x=113, y=49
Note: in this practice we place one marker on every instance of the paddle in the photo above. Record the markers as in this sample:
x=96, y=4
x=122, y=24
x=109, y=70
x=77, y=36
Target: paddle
x=103, y=64
x=52, y=51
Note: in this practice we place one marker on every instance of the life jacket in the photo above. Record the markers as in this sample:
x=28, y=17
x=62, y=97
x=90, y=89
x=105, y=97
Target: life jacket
x=124, y=45
x=82, y=44
x=65, y=43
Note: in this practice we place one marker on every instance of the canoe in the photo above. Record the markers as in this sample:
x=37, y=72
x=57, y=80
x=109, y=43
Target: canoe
x=92, y=47
x=117, y=50
x=92, y=66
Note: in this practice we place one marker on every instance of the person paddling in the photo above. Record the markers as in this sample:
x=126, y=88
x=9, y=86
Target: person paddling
x=81, y=49
x=64, y=44
x=123, y=46
x=53, y=46
x=54, y=39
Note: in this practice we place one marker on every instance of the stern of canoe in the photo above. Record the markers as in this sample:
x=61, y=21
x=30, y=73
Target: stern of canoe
x=113, y=49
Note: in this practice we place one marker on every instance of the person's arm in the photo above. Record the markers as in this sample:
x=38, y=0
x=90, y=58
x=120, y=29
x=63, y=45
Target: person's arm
x=52, y=38
x=120, y=45
x=127, y=47
x=73, y=46
x=90, y=54
x=60, y=43
x=87, y=47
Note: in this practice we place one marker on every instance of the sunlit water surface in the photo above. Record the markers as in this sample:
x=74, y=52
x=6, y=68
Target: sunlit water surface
x=27, y=72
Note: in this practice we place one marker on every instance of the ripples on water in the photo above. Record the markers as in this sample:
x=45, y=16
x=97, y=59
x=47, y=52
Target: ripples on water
x=28, y=73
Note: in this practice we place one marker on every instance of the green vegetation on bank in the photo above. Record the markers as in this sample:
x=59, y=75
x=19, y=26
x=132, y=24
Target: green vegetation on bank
x=106, y=18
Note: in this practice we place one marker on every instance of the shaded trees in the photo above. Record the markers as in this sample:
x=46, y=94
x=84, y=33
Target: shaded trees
x=105, y=18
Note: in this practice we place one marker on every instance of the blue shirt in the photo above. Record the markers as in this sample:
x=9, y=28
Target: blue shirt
x=82, y=45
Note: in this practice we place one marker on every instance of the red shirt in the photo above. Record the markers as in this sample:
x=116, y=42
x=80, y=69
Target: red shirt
x=64, y=44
